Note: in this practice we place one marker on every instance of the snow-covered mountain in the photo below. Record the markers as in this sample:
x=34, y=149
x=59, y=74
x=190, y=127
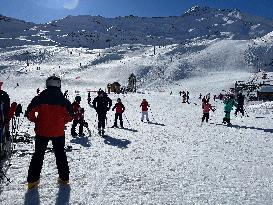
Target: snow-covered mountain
x=99, y=32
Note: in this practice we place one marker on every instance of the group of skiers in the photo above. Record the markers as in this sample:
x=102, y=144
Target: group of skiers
x=229, y=102
x=50, y=110
x=185, y=96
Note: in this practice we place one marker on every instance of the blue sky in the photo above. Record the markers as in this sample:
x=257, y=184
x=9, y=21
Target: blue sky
x=41, y=11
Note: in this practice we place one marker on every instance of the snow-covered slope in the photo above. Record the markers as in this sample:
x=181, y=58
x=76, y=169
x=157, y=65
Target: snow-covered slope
x=260, y=52
x=172, y=160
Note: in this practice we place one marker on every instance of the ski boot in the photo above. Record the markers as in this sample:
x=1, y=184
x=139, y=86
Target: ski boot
x=32, y=185
x=63, y=182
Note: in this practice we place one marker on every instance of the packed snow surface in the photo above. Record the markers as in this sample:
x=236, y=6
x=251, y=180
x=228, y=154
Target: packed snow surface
x=171, y=160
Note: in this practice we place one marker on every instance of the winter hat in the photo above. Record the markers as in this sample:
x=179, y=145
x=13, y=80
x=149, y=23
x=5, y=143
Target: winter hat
x=78, y=98
x=53, y=81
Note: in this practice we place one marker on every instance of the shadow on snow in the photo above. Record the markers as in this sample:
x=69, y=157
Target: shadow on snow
x=130, y=129
x=83, y=141
x=252, y=128
x=120, y=143
x=32, y=196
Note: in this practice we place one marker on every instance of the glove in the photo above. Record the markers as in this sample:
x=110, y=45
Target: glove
x=113, y=109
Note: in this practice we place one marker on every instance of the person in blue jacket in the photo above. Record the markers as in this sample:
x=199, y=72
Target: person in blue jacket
x=229, y=103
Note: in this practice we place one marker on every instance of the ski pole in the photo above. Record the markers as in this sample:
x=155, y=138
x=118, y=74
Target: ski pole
x=3, y=173
x=152, y=114
x=127, y=121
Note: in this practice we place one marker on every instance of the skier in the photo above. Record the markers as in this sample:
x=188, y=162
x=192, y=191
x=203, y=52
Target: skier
x=6, y=113
x=206, y=106
x=184, y=97
x=66, y=94
x=50, y=111
x=187, y=97
x=78, y=117
x=180, y=93
x=204, y=99
x=240, y=104
x=229, y=102
x=200, y=96
x=102, y=103
x=221, y=96
x=89, y=98
x=38, y=91
x=119, y=110
x=214, y=97
x=144, y=104
x=208, y=96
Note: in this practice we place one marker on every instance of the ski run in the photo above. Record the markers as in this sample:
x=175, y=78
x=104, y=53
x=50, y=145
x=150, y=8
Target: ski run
x=171, y=160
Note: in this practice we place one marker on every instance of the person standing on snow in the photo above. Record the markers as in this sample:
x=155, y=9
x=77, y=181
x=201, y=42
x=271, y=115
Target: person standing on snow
x=50, y=111
x=144, y=104
x=102, y=103
x=229, y=102
x=89, y=98
x=6, y=113
x=119, y=110
x=78, y=117
x=188, y=97
x=240, y=104
x=206, y=106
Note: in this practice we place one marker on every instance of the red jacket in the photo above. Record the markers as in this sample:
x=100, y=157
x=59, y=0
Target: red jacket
x=77, y=110
x=12, y=110
x=144, y=105
x=119, y=107
x=206, y=107
x=50, y=111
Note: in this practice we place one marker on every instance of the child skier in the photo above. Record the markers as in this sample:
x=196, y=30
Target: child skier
x=229, y=102
x=119, y=110
x=78, y=117
x=206, y=106
x=144, y=104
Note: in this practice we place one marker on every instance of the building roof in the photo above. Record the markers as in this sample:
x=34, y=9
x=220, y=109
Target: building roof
x=116, y=84
x=266, y=89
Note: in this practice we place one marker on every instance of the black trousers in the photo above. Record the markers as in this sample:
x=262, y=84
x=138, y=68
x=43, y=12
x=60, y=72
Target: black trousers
x=240, y=109
x=205, y=116
x=36, y=162
x=101, y=120
x=118, y=116
x=74, y=125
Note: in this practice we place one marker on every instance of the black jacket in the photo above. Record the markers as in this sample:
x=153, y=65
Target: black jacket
x=4, y=105
x=102, y=104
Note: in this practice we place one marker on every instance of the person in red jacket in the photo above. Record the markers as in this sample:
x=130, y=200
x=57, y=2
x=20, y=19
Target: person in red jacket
x=78, y=117
x=206, y=106
x=119, y=110
x=144, y=104
x=50, y=111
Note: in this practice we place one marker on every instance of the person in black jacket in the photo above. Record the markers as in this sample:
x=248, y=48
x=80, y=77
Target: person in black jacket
x=102, y=103
x=240, y=104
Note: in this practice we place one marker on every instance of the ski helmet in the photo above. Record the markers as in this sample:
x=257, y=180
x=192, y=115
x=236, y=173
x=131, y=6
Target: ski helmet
x=100, y=92
x=53, y=81
x=78, y=98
